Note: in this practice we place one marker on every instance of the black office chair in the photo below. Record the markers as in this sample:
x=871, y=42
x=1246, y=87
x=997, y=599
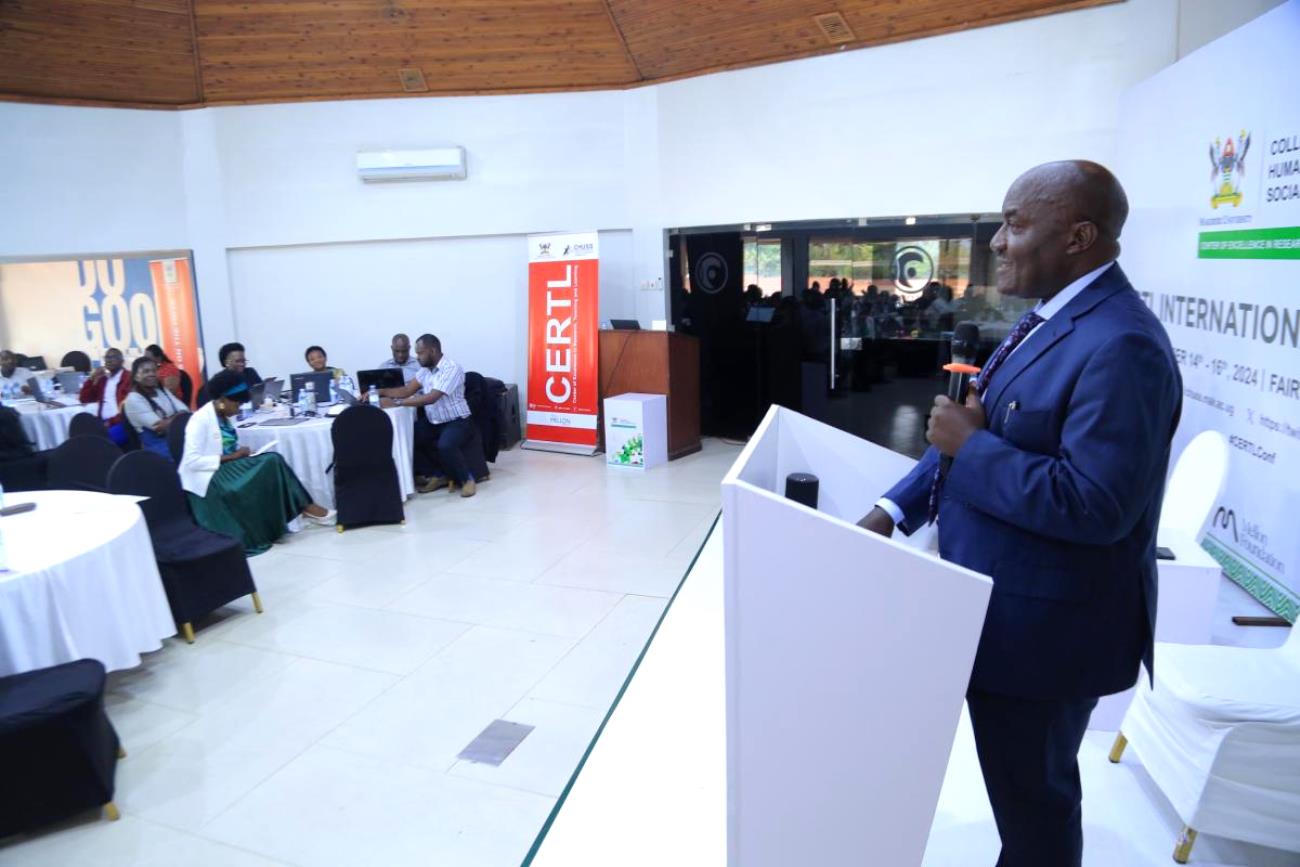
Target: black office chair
x=77, y=360
x=32, y=362
x=366, y=490
x=22, y=468
x=187, y=388
x=481, y=395
x=176, y=437
x=201, y=570
x=57, y=740
x=82, y=464
x=84, y=424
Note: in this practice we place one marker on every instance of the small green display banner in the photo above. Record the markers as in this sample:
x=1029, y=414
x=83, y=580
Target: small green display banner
x=1280, y=243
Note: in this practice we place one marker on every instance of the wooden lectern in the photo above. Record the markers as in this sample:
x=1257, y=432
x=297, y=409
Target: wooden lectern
x=657, y=362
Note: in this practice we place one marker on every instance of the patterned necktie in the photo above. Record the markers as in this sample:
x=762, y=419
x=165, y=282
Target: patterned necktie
x=1027, y=323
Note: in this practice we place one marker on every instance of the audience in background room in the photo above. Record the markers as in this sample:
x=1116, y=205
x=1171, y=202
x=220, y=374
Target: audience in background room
x=13, y=379
x=169, y=375
x=151, y=409
x=439, y=387
x=252, y=498
x=107, y=389
x=401, y=358
x=317, y=359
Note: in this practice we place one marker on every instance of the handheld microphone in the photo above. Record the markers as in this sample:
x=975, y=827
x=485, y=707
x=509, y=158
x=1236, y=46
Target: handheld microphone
x=965, y=347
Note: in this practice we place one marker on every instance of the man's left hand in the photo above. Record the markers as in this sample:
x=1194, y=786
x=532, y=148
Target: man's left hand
x=952, y=424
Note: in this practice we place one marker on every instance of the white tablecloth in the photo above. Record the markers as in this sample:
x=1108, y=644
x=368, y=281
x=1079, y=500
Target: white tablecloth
x=82, y=583
x=308, y=449
x=47, y=427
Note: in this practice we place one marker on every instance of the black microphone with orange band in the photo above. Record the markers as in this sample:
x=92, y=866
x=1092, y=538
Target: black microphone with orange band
x=965, y=349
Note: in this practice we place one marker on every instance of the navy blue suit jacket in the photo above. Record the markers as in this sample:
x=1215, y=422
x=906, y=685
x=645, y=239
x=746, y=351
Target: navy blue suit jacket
x=1059, y=498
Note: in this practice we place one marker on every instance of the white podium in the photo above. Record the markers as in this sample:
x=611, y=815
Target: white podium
x=848, y=657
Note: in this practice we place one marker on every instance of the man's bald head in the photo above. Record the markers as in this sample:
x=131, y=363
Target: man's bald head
x=1060, y=221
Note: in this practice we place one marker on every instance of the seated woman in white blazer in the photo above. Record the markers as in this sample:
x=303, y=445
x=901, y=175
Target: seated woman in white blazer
x=231, y=492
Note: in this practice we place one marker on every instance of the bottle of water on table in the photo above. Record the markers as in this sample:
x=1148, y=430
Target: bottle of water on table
x=309, y=398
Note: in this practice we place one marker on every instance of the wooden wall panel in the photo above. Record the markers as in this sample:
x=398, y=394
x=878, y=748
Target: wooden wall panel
x=198, y=52
x=136, y=51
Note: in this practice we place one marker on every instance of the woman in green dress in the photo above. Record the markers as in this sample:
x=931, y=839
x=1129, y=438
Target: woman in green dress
x=231, y=491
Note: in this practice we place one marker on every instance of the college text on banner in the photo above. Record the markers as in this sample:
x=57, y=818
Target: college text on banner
x=563, y=360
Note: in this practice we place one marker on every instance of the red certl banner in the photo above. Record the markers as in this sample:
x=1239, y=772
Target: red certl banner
x=563, y=359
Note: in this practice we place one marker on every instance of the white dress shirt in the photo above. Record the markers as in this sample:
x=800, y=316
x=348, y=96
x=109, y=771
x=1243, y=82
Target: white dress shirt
x=109, y=406
x=1046, y=309
x=449, y=378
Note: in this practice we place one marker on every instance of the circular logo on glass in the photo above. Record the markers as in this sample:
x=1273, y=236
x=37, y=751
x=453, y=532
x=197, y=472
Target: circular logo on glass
x=913, y=271
x=711, y=273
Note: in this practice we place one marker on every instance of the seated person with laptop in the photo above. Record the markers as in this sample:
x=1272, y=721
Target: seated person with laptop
x=234, y=359
x=438, y=387
x=401, y=359
x=317, y=360
x=13, y=379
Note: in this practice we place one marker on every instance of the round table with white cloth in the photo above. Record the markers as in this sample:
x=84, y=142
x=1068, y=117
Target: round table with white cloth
x=45, y=426
x=81, y=583
x=308, y=449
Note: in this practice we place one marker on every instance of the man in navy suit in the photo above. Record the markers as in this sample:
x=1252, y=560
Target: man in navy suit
x=1059, y=455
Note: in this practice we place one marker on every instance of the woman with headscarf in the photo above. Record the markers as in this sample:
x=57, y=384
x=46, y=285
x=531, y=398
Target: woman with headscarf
x=149, y=408
x=232, y=492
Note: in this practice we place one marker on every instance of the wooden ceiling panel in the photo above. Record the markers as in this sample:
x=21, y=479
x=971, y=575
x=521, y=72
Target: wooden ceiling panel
x=691, y=37
x=278, y=48
x=211, y=52
x=118, y=51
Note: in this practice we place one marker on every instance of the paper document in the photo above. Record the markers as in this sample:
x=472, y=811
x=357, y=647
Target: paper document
x=266, y=448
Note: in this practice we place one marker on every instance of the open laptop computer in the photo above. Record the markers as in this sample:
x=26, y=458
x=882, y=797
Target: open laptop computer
x=321, y=385
x=384, y=377
x=70, y=380
x=625, y=325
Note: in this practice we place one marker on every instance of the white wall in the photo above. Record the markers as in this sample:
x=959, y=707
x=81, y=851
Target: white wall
x=351, y=298
x=261, y=192
x=87, y=180
x=939, y=125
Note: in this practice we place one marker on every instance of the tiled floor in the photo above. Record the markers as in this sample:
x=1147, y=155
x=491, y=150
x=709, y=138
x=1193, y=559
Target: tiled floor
x=325, y=731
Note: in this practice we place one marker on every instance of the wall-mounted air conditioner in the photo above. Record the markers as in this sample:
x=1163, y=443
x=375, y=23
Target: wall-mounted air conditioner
x=434, y=164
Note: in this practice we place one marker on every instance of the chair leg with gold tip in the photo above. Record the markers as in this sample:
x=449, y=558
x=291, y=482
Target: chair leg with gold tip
x=1183, y=850
x=339, y=527
x=121, y=752
x=187, y=630
x=257, y=602
x=1117, y=749
x=112, y=812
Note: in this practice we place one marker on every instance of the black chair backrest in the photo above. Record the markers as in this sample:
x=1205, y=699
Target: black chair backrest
x=149, y=474
x=82, y=464
x=176, y=436
x=77, y=360
x=362, y=436
x=84, y=424
x=14, y=443
x=187, y=388
x=32, y=362
x=482, y=412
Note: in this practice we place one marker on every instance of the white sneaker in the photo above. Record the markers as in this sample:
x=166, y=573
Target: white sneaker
x=325, y=520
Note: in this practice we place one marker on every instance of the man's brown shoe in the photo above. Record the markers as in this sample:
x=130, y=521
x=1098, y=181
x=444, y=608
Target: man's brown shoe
x=432, y=485
x=467, y=489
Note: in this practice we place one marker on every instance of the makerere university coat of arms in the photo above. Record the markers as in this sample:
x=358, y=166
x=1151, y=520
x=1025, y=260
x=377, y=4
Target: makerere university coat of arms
x=1228, y=160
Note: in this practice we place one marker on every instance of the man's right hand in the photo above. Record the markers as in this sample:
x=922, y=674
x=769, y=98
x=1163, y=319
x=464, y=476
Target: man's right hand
x=98, y=374
x=878, y=521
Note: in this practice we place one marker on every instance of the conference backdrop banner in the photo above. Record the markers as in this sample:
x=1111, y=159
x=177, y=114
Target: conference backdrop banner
x=50, y=308
x=1211, y=160
x=563, y=348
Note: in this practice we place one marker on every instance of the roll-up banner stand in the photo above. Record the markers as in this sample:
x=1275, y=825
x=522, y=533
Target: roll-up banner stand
x=563, y=348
